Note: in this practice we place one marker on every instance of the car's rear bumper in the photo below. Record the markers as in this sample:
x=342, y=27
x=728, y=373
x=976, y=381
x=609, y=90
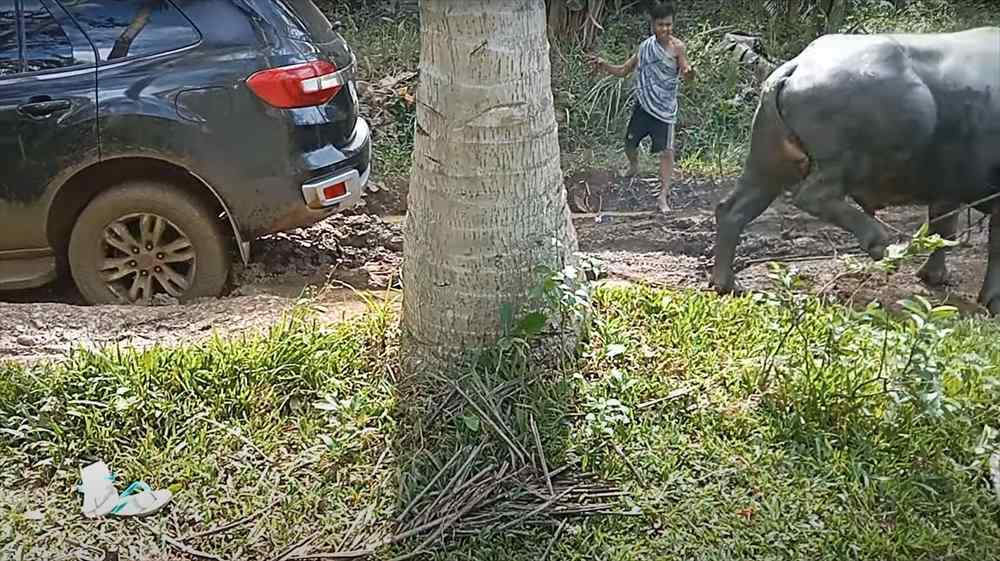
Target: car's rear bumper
x=328, y=188
x=341, y=190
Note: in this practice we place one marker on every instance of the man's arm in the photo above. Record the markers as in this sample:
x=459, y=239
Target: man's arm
x=620, y=70
x=686, y=70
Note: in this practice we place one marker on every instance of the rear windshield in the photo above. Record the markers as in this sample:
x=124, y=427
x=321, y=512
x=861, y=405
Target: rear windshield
x=310, y=19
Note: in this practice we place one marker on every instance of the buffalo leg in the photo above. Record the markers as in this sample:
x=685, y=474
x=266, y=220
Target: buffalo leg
x=732, y=215
x=823, y=195
x=990, y=295
x=935, y=271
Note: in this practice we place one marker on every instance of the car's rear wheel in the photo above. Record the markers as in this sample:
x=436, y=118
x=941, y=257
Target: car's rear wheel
x=142, y=241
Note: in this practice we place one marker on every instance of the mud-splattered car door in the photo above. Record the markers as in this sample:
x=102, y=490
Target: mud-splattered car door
x=48, y=121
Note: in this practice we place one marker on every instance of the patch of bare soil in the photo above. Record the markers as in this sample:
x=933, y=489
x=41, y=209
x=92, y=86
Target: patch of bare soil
x=34, y=331
x=360, y=250
x=601, y=190
x=384, y=198
x=597, y=190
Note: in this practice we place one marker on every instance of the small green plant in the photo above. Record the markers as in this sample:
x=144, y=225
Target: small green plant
x=606, y=415
x=910, y=367
x=918, y=388
x=921, y=245
x=786, y=282
x=569, y=290
x=561, y=300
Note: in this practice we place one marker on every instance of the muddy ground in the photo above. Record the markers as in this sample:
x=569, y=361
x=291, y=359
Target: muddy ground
x=363, y=252
x=336, y=264
x=675, y=250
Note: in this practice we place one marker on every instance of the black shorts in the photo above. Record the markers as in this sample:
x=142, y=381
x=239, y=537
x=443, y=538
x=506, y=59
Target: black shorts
x=642, y=124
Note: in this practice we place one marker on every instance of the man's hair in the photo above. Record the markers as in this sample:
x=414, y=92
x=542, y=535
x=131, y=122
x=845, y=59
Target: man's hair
x=660, y=10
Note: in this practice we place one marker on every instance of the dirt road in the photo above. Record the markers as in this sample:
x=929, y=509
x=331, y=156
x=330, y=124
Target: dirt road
x=364, y=252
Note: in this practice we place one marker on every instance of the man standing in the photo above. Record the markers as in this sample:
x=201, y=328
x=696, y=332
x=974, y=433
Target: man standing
x=661, y=62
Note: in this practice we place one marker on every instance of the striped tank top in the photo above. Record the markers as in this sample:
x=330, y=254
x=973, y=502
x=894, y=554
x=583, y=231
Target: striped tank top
x=657, y=78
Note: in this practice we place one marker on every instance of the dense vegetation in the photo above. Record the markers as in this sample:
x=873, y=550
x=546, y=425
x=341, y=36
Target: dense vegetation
x=715, y=110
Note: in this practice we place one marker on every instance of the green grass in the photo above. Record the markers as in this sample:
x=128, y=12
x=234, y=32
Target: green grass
x=824, y=466
x=184, y=417
x=825, y=456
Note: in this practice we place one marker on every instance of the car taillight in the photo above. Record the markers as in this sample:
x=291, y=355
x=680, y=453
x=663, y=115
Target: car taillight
x=300, y=85
x=335, y=191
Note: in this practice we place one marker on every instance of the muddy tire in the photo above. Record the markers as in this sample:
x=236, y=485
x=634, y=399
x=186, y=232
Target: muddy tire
x=145, y=242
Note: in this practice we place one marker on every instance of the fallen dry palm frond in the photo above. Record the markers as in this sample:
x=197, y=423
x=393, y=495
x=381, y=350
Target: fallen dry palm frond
x=377, y=98
x=475, y=494
x=748, y=50
x=494, y=502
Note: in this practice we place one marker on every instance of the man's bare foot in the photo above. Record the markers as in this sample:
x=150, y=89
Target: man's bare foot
x=662, y=204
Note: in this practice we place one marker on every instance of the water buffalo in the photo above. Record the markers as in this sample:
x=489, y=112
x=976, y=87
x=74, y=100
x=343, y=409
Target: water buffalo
x=887, y=119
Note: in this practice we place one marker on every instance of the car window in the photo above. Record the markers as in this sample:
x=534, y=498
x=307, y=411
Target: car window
x=10, y=57
x=130, y=28
x=46, y=45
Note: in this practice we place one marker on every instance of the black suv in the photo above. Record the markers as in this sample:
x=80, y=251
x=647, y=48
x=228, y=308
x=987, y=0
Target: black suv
x=140, y=140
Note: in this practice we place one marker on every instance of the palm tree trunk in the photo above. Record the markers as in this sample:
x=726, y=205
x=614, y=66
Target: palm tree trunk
x=486, y=203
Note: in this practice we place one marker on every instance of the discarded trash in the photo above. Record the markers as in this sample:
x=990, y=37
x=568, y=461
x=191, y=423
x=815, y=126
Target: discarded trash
x=98, y=488
x=35, y=515
x=142, y=503
x=100, y=496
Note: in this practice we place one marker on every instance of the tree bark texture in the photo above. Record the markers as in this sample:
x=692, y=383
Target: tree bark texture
x=486, y=204
x=578, y=20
